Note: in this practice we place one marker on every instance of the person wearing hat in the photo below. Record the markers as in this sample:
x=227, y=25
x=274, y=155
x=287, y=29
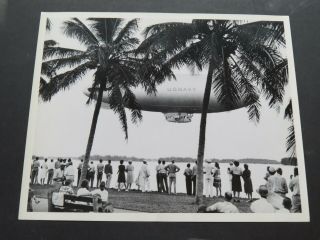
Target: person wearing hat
x=208, y=178
x=220, y=207
x=262, y=205
x=276, y=183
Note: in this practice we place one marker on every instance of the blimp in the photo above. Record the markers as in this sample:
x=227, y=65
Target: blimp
x=177, y=99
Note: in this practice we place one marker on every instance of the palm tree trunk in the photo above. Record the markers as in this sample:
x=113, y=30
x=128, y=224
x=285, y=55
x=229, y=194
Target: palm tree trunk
x=92, y=132
x=202, y=135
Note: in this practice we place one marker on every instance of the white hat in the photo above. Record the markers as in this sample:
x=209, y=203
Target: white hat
x=272, y=170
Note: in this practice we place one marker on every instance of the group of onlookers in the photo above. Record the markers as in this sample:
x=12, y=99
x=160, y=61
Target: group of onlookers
x=274, y=190
x=53, y=171
x=272, y=194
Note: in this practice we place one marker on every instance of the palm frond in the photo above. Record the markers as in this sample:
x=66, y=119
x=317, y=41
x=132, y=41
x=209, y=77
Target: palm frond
x=106, y=28
x=59, y=63
x=288, y=113
x=64, y=80
x=60, y=52
x=48, y=24
x=117, y=105
x=74, y=28
x=249, y=93
x=127, y=31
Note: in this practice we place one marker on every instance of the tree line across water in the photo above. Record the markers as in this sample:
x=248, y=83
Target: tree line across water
x=284, y=161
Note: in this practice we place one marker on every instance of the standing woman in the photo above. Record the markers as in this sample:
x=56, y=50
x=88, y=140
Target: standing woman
x=129, y=170
x=217, y=179
x=121, y=175
x=246, y=175
x=236, y=180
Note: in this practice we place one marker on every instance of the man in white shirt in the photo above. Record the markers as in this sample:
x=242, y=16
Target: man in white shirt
x=50, y=167
x=220, y=207
x=295, y=188
x=143, y=178
x=69, y=171
x=278, y=184
x=262, y=205
x=208, y=178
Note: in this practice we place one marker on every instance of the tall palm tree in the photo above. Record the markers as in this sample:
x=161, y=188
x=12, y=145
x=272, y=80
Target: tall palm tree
x=109, y=45
x=240, y=59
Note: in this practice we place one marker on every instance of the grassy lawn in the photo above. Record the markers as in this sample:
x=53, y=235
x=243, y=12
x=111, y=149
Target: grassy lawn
x=152, y=202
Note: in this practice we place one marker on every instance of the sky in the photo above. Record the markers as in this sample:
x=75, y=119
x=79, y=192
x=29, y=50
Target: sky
x=63, y=125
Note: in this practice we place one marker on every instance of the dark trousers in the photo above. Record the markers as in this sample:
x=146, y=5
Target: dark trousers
x=79, y=175
x=90, y=178
x=189, y=185
x=50, y=176
x=99, y=179
x=194, y=183
x=34, y=176
x=164, y=182
x=159, y=182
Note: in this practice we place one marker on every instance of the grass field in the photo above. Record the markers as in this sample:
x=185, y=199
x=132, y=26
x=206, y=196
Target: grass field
x=152, y=202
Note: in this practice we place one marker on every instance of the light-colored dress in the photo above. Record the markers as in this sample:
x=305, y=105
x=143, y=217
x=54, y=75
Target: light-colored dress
x=130, y=177
x=143, y=178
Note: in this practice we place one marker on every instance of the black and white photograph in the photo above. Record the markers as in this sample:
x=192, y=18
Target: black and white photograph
x=164, y=117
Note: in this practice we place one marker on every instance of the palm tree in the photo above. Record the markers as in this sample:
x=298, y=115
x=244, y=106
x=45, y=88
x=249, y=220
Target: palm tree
x=240, y=59
x=109, y=45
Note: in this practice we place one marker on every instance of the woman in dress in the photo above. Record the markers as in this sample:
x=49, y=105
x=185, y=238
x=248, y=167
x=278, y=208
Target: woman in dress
x=129, y=170
x=121, y=175
x=217, y=179
x=236, y=180
x=246, y=175
x=42, y=174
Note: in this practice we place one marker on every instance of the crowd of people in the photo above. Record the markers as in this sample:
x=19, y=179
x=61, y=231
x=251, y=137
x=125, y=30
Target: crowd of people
x=274, y=190
x=273, y=194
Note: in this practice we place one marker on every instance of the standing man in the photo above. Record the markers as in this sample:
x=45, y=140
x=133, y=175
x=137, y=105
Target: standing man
x=163, y=177
x=172, y=170
x=108, y=171
x=188, y=174
x=79, y=171
x=278, y=184
x=90, y=173
x=69, y=171
x=295, y=188
x=158, y=175
x=34, y=171
x=100, y=168
x=208, y=177
x=57, y=164
x=194, y=177
x=50, y=167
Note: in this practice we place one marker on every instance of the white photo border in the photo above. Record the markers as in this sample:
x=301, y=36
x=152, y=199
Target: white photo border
x=163, y=217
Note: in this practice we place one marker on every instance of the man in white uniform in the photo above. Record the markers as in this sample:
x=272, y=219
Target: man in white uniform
x=208, y=178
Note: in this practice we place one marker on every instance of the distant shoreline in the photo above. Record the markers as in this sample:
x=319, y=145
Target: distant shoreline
x=284, y=161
